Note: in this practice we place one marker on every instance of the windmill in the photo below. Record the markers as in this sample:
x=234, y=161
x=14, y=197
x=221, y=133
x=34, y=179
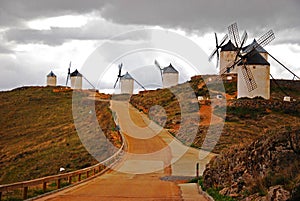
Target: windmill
x=216, y=50
x=126, y=81
x=169, y=75
x=69, y=73
x=71, y=76
x=265, y=54
x=268, y=53
x=242, y=56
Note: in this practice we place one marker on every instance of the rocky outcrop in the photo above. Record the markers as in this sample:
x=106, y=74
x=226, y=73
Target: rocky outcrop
x=275, y=193
x=258, y=169
x=259, y=103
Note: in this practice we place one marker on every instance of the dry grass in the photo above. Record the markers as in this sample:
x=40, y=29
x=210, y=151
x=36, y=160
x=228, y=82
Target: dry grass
x=242, y=125
x=38, y=135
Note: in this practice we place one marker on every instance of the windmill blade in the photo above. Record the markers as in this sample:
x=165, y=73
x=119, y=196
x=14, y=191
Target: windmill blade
x=157, y=64
x=218, y=59
x=69, y=72
x=212, y=54
x=89, y=82
x=240, y=48
x=284, y=66
x=262, y=41
x=244, y=38
x=67, y=80
x=223, y=40
x=249, y=78
x=139, y=84
x=116, y=82
x=216, y=38
x=266, y=38
x=216, y=50
x=234, y=34
x=120, y=69
x=159, y=67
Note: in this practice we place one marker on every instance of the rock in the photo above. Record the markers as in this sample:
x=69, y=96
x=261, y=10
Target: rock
x=225, y=191
x=255, y=197
x=234, y=195
x=243, y=170
x=277, y=193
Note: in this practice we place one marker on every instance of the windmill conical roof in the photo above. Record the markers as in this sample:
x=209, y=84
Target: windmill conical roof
x=51, y=74
x=229, y=46
x=127, y=76
x=76, y=73
x=254, y=59
x=259, y=48
x=170, y=69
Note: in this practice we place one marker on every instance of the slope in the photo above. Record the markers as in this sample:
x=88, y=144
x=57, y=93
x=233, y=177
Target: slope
x=38, y=135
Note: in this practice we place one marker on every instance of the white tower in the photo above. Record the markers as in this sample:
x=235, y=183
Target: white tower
x=76, y=80
x=51, y=79
x=169, y=76
x=127, y=83
x=227, y=55
x=260, y=68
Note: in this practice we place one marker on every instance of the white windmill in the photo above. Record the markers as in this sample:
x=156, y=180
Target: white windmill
x=51, y=79
x=126, y=82
x=169, y=75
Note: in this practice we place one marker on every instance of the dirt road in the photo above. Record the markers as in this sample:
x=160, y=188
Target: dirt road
x=150, y=154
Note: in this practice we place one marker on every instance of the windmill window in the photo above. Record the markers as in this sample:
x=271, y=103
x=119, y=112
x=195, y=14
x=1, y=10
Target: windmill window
x=254, y=67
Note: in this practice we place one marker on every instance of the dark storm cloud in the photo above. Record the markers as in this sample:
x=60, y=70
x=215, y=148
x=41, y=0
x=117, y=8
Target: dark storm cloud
x=205, y=15
x=190, y=14
x=14, y=13
x=59, y=35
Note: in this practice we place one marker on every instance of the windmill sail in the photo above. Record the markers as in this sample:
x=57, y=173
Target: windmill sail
x=69, y=72
x=249, y=78
x=119, y=74
x=159, y=67
x=216, y=50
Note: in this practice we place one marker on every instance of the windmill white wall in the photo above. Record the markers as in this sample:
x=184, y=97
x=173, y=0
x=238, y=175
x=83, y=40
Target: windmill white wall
x=227, y=55
x=51, y=79
x=170, y=76
x=127, y=84
x=76, y=80
x=260, y=68
x=261, y=74
x=170, y=79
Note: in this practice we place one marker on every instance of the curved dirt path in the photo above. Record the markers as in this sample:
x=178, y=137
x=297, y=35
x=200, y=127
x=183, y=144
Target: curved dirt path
x=148, y=158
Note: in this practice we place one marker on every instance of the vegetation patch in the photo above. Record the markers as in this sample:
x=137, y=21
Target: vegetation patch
x=38, y=135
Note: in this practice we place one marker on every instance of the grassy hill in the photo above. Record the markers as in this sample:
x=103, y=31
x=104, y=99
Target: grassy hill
x=38, y=135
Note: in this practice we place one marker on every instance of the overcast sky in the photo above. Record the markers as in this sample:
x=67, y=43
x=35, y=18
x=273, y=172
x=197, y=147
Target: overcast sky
x=42, y=35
